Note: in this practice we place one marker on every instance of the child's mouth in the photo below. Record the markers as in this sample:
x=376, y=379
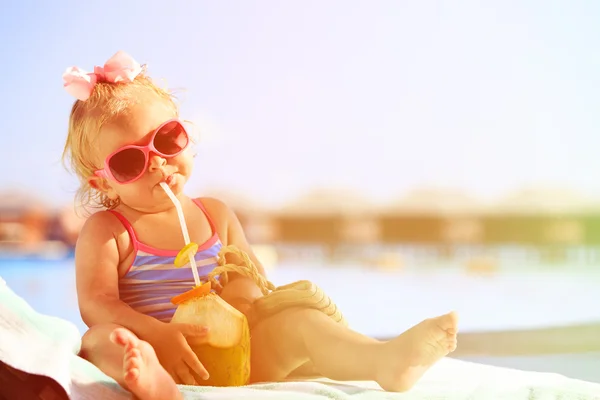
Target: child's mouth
x=169, y=180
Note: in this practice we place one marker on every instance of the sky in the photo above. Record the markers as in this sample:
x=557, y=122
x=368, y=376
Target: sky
x=381, y=97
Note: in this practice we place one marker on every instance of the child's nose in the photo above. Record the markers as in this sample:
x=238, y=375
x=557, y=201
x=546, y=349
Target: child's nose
x=156, y=162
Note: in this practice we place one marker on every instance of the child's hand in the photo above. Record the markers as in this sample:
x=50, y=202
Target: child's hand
x=172, y=345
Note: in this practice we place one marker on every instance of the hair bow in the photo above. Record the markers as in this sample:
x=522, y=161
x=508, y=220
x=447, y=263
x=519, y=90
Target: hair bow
x=119, y=68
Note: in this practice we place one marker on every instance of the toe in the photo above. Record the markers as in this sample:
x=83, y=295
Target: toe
x=451, y=347
x=134, y=353
x=132, y=375
x=133, y=359
x=123, y=337
x=449, y=322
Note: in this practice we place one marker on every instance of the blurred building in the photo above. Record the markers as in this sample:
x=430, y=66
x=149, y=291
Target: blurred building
x=333, y=220
x=554, y=224
x=426, y=226
x=432, y=217
x=24, y=223
x=257, y=221
x=68, y=224
x=537, y=216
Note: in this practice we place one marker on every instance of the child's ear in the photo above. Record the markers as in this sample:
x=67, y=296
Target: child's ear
x=98, y=183
x=102, y=185
x=95, y=182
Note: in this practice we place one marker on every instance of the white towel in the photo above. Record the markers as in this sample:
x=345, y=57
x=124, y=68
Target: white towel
x=48, y=346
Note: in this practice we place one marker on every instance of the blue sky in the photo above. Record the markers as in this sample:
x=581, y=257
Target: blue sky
x=377, y=96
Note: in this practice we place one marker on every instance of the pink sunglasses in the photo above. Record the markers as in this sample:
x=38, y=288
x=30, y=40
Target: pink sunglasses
x=129, y=163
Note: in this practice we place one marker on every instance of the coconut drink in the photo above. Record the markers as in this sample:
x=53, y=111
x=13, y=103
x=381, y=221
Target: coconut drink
x=226, y=355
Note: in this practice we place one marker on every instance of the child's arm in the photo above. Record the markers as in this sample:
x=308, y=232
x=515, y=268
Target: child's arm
x=97, y=258
x=96, y=271
x=237, y=237
x=231, y=233
x=240, y=290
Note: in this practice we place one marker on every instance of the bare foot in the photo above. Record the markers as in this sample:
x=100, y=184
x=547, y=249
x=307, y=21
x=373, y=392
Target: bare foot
x=142, y=373
x=406, y=358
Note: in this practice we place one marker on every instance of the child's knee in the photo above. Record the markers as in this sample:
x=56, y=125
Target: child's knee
x=96, y=338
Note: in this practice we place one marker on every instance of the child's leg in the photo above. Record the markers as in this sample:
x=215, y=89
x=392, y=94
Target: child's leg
x=290, y=339
x=97, y=348
x=305, y=371
x=130, y=361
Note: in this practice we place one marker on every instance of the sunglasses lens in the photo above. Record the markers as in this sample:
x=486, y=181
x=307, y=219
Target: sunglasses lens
x=127, y=164
x=171, y=139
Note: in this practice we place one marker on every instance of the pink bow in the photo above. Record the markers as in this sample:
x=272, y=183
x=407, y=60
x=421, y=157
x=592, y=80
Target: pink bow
x=119, y=68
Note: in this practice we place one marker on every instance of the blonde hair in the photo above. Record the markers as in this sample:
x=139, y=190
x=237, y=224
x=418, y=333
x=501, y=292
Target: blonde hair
x=107, y=102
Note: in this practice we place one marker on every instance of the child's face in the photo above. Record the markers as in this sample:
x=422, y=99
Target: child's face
x=137, y=127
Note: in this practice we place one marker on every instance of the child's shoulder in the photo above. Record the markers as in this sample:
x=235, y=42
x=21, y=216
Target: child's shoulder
x=103, y=219
x=101, y=225
x=102, y=236
x=213, y=203
x=217, y=209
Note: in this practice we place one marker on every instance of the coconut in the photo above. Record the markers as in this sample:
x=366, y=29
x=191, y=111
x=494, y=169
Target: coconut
x=226, y=354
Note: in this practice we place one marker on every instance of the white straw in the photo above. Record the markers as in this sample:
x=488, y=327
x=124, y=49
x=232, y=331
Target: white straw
x=184, y=230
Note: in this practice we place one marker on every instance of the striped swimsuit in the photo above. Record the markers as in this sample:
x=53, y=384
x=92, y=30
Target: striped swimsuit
x=152, y=279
